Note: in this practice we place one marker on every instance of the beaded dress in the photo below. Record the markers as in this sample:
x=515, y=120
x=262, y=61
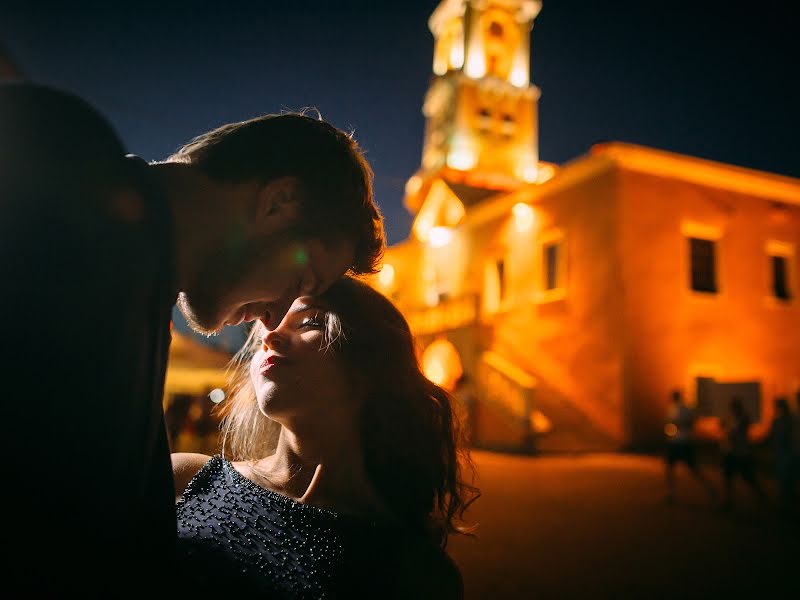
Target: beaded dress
x=234, y=535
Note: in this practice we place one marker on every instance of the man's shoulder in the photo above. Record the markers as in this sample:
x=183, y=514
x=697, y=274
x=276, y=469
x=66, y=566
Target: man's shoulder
x=29, y=98
x=48, y=125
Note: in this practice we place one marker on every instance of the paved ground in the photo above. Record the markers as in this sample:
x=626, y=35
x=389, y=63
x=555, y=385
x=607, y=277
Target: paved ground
x=597, y=527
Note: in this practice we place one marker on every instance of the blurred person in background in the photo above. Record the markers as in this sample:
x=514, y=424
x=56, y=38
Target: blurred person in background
x=681, y=446
x=737, y=453
x=785, y=458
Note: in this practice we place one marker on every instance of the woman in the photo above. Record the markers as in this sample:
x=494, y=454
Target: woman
x=347, y=464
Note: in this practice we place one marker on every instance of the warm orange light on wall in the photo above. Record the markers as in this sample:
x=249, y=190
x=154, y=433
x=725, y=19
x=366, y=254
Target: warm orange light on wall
x=442, y=364
x=528, y=168
x=519, y=72
x=431, y=296
x=461, y=158
x=386, y=276
x=545, y=173
x=476, y=63
x=451, y=314
x=523, y=216
x=441, y=208
x=413, y=185
x=438, y=237
x=457, y=55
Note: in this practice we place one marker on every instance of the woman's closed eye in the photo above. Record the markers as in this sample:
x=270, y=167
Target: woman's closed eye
x=314, y=322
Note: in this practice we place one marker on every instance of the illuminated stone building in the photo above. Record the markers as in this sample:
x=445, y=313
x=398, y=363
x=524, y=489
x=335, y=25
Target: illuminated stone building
x=577, y=297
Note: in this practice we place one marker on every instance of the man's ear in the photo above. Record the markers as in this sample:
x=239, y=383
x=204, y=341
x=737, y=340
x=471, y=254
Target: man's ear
x=278, y=202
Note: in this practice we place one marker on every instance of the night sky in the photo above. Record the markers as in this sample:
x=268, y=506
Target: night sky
x=706, y=78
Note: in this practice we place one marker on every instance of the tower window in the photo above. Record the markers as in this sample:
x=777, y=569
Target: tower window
x=509, y=125
x=780, y=272
x=703, y=265
x=484, y=120
x=495, y=29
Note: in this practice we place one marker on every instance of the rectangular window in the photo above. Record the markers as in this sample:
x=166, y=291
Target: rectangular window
x=495, y=285
x=551, y=266
x=780, y=274
x=500, y=265
x=551, y=284
x=703, y=265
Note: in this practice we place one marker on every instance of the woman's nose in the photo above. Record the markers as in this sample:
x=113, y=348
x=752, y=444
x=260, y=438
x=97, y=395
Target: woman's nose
x=272, y=340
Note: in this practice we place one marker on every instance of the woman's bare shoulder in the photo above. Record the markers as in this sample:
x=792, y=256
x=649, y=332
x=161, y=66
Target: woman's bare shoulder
x=186, y=465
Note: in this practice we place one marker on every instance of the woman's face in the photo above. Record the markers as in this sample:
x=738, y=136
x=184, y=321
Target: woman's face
x=293, y=374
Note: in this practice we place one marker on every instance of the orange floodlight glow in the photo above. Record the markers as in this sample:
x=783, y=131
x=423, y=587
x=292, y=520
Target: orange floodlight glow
x=523, y=216
x=441, y=364
x=386, y=276
x=439, y=237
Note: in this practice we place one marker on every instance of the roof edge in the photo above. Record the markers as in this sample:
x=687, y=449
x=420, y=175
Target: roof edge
x=702, y=171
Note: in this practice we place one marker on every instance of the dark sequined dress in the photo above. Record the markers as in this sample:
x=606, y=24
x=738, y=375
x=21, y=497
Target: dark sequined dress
x=234, y=535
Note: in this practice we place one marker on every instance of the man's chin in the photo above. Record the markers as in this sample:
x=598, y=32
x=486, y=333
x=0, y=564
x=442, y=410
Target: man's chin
x=198, y=324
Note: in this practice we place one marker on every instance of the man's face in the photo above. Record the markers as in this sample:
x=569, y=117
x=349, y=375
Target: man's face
x=260, y=278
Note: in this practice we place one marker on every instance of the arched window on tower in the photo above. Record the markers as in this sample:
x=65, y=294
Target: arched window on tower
x=500, y=40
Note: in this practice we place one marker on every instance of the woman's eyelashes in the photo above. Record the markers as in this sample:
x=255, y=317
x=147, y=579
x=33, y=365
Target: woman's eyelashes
x=314, y=322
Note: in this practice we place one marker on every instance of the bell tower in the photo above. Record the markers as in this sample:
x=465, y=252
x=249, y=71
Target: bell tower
x=480, y=108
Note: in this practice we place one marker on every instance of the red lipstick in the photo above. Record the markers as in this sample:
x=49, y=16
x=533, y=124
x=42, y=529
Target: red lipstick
x=270, y=362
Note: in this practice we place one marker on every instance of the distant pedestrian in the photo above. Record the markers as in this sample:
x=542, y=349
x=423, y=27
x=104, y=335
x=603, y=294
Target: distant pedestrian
x=784, y=455
x=737, y=454
x=681, y=446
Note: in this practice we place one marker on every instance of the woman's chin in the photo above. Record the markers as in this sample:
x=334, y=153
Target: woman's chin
x=271, y=409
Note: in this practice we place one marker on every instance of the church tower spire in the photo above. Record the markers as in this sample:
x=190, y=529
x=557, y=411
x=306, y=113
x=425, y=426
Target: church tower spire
x=481, y=109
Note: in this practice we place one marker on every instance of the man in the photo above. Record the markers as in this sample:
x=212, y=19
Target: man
x=681, y=446
x=783, y=453
x=737, y=453
x=94, y=250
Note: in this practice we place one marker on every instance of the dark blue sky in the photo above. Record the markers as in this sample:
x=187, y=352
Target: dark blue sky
x=712, y=79
x=707, y=78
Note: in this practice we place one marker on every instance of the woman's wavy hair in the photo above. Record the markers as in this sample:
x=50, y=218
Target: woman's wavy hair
x=415, y=452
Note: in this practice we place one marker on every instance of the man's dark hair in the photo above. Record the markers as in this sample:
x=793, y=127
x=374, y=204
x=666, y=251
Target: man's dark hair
x=335, y=177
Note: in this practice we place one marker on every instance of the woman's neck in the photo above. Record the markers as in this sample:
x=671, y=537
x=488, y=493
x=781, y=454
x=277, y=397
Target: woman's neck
x=320, y=470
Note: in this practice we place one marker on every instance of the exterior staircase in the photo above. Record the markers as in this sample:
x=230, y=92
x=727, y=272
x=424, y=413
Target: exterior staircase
x=515, y=412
